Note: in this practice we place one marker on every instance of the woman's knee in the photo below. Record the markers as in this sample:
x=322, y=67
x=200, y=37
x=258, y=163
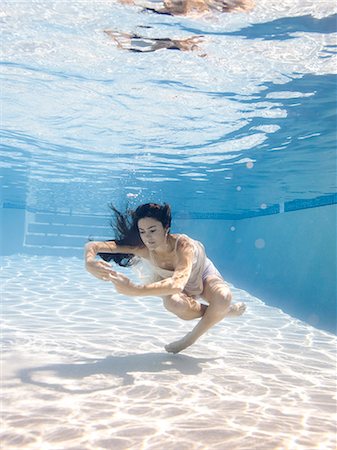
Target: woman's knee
x=227, y=295
x=222, y=299
x=173, y=304
x=184, y=308
x=220, y=290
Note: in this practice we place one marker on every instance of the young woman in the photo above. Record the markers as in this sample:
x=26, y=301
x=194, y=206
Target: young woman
x=180, y=263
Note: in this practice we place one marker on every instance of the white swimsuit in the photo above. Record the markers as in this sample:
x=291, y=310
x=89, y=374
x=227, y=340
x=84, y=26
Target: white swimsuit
x=202, y=267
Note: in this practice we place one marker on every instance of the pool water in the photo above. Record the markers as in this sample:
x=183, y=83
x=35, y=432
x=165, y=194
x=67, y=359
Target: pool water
x=85, y=368
x=244, y=124
x=239, y=137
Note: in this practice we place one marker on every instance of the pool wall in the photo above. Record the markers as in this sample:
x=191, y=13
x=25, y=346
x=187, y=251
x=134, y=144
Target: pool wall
x=287, y=260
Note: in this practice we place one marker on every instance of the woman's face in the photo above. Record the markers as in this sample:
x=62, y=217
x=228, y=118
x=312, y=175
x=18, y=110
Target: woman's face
x=152, y=232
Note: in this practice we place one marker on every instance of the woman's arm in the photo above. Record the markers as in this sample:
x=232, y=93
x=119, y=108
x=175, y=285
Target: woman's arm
x=168, y=286
x=125, y=286
x=102, y=269
x=93, y=247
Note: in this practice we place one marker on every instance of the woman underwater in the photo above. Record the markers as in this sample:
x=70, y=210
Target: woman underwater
x=179, y=262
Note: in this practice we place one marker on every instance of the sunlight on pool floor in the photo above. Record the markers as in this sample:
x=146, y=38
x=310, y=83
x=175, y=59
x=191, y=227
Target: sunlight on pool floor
x=85, y=368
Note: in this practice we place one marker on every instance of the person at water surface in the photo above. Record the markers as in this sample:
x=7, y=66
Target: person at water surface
x=183, y=271
x=140, y=44
x=192, y=7
x=136, y=43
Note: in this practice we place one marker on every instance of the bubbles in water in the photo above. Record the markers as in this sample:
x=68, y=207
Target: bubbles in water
x=238, y=188
x=260, y=243
x=131, y=195
x=232, y=228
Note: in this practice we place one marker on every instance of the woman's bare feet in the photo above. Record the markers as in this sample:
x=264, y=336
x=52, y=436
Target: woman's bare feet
x=181, y=344
x=235, y=310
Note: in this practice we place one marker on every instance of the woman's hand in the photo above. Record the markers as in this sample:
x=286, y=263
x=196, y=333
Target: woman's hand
x=123, y=284
x=103, y=271
x=99, y=269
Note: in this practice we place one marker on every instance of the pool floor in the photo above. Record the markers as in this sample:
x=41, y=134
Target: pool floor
x=85, y=368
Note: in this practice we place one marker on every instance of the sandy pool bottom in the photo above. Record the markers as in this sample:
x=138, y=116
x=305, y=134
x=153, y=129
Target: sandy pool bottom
x=85, y=368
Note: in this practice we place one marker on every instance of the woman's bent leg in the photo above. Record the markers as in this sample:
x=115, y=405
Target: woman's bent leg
x=219, y=297
x=184, y=306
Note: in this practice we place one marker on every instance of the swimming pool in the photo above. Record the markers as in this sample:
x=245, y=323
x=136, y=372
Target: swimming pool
x=239, y=137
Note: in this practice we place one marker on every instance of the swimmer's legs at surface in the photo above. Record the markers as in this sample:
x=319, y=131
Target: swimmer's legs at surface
x=219, y=297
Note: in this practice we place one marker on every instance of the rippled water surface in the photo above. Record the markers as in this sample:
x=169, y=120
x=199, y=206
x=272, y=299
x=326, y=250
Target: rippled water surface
x=247, y=119
x=86, y=369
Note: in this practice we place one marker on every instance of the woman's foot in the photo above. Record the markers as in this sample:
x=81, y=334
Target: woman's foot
x=236, y=309
x=181, y=344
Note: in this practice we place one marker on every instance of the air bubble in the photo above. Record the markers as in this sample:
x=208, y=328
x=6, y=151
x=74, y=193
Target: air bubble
x=260, y=243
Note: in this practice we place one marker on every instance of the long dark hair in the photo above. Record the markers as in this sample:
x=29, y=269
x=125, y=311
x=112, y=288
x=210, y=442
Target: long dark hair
x=125, y=227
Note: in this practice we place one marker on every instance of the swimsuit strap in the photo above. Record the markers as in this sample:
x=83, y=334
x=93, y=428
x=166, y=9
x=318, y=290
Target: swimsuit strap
x=179, y=236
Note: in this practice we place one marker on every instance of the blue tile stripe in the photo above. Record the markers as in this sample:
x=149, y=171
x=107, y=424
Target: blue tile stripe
x=292, y=205
x=324, y=200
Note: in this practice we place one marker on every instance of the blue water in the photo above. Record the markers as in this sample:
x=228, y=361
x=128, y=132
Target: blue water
x=85, y=118
x=239, y=137
x=242, y=128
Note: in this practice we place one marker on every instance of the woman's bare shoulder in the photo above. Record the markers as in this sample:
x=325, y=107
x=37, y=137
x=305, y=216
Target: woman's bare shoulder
x=183, y=243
